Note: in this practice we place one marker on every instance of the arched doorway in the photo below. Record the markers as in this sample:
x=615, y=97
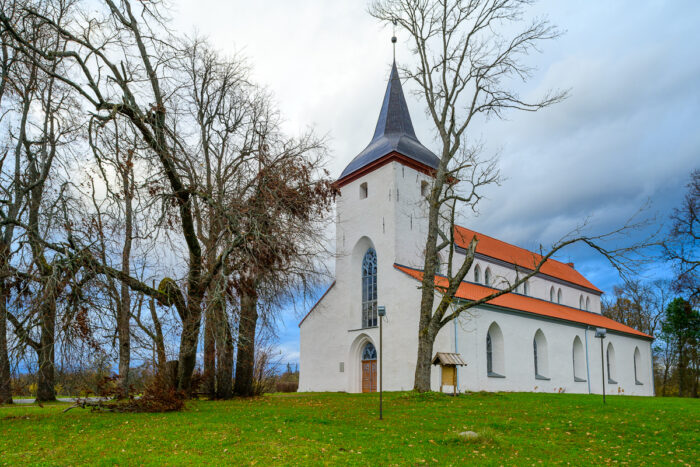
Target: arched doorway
x=369, y=368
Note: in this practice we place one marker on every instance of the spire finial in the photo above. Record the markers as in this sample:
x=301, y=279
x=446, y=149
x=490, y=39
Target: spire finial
x=393, y=37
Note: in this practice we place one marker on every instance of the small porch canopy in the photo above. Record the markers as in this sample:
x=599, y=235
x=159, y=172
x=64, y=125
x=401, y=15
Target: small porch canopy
x=448, y=367
x=448, y=359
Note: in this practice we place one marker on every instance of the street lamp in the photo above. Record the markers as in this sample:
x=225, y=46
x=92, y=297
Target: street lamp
x=381, y=311
x=600, y=334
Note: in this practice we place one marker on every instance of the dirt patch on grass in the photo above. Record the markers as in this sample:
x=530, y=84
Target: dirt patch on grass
x=24, y=417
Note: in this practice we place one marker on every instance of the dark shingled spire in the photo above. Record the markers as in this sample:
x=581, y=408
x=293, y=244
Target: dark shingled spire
x=394, y=132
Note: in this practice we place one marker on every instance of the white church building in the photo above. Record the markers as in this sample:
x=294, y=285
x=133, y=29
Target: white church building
x=539, y=339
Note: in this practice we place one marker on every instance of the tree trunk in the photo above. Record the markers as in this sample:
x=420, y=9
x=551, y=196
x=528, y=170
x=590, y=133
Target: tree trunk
x=188, y=342
x=426, y=340
x=45, y=353
x=224, y=347
x=210, y=350
x=426, y=337
x=5, y=377
x=159, y=341
x=696, y=375
x=245, y=360
x=681, y=367
x=123, y=320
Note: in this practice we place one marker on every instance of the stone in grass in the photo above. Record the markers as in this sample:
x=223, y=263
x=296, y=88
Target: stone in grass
x=469, y=435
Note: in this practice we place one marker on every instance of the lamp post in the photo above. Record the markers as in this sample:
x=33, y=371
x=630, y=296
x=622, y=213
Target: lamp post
x=381, y=311
x=600, y=334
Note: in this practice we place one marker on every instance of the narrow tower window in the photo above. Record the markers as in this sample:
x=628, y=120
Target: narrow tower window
x=369, y=289
x=424, y=189
x=363, y=190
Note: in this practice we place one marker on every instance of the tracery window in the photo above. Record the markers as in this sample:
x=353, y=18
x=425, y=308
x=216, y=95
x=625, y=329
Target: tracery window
x=369, y=352
x=369, y=289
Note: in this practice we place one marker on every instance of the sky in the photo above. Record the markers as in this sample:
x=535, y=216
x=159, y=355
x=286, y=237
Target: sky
x=627, y=137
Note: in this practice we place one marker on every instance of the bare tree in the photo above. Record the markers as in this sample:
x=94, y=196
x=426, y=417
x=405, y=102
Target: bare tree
x=682, y=247
x=13, y=199
x=118, y=71
x=468, y=54
x=639, y=304
x=130, y=73
x=46, y=128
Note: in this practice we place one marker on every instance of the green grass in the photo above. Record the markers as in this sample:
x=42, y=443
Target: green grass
x=516, y=428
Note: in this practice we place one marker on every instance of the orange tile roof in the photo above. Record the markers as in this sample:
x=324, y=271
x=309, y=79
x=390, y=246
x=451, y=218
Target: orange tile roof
x=497, y=249
x=469, y=291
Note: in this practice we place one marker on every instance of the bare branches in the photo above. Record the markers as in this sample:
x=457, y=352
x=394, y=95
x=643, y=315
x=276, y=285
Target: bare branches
x=682, y=247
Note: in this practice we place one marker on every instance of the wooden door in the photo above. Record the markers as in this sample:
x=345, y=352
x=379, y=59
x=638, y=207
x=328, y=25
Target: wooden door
x=369, y=376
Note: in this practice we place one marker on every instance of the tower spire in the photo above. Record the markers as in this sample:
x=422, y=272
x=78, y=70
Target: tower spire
x=394, y=132
x=393, y=37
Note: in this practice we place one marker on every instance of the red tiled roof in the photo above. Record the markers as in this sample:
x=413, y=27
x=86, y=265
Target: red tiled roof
x=516, y=302
x=497, y=249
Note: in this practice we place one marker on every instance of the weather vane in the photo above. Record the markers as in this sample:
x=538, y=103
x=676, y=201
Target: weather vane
x=393, y=37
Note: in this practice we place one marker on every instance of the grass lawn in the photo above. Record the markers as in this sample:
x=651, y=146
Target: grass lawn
x=515, y=428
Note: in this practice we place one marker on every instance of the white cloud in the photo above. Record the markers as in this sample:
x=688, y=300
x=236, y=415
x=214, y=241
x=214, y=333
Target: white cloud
x=627, y=134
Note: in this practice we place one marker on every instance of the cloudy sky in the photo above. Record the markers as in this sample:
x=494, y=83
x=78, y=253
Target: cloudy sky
x=628, y=134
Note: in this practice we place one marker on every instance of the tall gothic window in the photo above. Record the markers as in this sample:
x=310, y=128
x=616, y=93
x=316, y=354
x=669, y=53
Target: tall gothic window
x=534, y=348
x=494, y=352
x=489, y=354
x=369, y=289
x=611, y=364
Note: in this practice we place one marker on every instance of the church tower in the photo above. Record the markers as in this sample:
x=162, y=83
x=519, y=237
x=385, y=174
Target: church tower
x=382, y=204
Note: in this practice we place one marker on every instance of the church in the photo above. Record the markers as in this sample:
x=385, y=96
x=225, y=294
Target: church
x=541, y=338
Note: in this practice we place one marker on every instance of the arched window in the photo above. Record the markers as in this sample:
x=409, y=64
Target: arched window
x=487, y=277
x=489, y=353
x=610, y=359
x=588, y=304
x=638, y=368
x=559, y=296
x=551, y=294
x=539, y=347
x=580, y=302
x=369, y=289
x=526, y=288
x=579, y=361
x=477, y=274
x=494, y=352
x=369, y=352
